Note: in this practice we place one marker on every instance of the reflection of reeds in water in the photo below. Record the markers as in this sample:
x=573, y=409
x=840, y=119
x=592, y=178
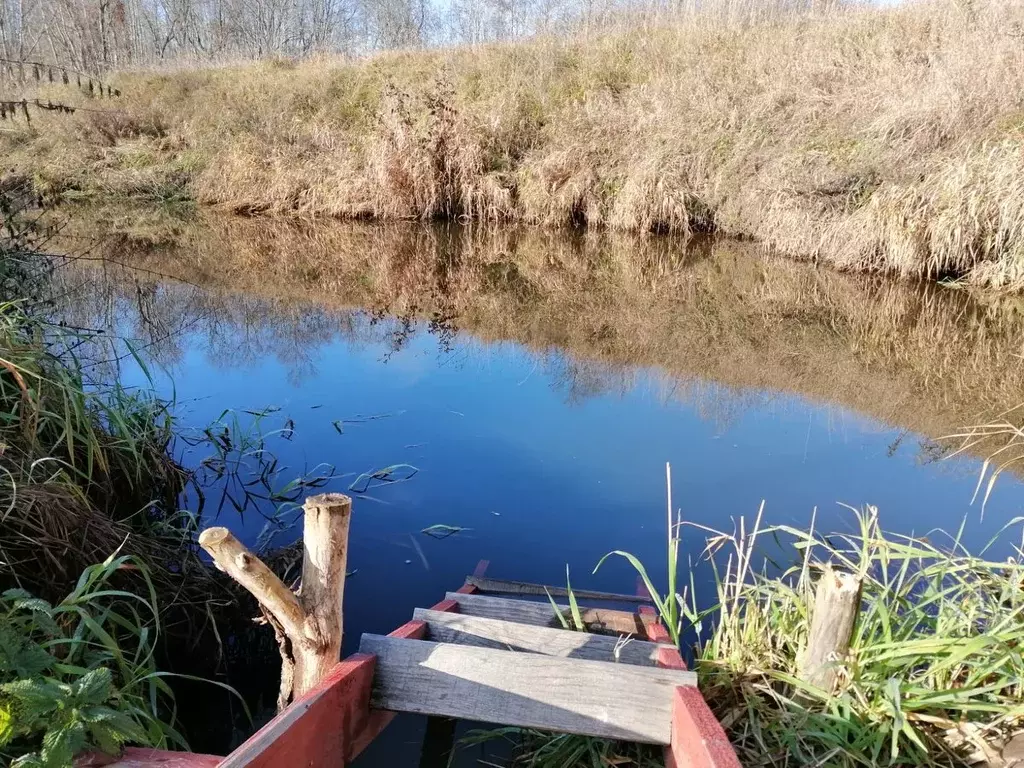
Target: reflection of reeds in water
x=720, y=322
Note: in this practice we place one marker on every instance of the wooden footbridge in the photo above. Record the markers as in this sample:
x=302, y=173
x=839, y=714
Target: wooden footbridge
x=490, y=651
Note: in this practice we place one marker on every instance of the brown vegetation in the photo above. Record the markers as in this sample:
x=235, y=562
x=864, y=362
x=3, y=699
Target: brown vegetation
x=724, y=325
x=881, y=139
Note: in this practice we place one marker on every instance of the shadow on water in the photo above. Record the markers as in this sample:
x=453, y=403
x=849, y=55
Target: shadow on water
x=539, y=381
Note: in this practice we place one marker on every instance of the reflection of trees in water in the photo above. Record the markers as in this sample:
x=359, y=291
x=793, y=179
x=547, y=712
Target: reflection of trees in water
x=723, y=325
x=165, y=319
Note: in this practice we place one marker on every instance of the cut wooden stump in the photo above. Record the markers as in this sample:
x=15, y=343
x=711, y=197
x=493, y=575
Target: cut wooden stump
x=836, y=604
x=592, y=698
x=309, y=628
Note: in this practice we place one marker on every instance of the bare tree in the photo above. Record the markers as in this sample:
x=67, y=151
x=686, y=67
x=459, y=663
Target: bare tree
x=98, y=35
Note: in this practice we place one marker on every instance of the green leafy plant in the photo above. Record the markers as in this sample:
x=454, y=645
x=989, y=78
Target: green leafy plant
x=577, y=624
x=80, y=674
x=70, y=717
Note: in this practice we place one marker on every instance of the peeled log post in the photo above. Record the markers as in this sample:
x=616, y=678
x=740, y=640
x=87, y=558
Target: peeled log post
x=312, y=621
x=836, y=604
x=324, y=556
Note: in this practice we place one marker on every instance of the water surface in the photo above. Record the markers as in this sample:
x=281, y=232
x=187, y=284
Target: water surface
x=536, y=385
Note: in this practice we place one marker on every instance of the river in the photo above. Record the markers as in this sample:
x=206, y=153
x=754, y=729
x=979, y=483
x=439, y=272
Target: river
x=530, y=387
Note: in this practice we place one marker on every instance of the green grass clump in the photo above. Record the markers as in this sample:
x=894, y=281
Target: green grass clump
x=84, y=464
x=81, y=674
x=934, y=675
x=936, y=664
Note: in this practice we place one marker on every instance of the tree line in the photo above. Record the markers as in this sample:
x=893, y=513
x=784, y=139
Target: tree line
x=100, y=35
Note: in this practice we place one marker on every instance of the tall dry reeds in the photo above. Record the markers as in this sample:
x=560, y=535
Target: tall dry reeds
x=868, y=138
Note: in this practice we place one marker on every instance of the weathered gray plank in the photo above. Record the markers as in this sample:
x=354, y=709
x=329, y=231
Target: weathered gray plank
x=506, y=635
x=541, y=614
x=593, y=698
x=503, y=587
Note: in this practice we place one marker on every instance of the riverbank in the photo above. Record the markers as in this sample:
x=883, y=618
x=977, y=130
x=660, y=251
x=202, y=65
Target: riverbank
x=868, y=139
x=917, y=667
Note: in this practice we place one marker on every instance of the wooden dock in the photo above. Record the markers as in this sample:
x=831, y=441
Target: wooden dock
x=485, y=654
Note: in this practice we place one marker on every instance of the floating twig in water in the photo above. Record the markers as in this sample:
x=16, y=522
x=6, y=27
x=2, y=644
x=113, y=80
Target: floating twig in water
x=359, y=418
x=441, y=531
x=396, y=473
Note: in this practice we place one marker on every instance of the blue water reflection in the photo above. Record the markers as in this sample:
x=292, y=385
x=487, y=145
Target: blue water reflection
x=544, y=477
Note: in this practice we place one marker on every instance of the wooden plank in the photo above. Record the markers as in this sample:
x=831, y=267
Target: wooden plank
x=592, y=698
x=502, y=587
x=439, y=736
x=506, y=635
x=320, y=729
x=599, y=620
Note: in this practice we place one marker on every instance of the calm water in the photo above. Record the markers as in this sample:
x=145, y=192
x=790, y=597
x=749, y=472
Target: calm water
x=538, y=387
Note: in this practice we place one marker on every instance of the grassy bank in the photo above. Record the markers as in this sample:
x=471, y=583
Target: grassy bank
x=877, y=139
x=933, y=674
x=85, y=475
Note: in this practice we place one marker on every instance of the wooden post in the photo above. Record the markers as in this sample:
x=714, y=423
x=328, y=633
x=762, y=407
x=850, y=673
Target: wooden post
x=325, y=554
x=309, y=625
x=836, y=604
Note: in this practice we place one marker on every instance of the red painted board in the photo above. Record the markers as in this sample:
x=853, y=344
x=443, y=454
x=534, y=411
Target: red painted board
x=380, y=719
x=651, y=622
x=698, y=739
x=321, y=729
x=411, y=630
x=669, y=658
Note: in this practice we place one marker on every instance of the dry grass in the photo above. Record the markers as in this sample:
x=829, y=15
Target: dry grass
x=869, y=138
